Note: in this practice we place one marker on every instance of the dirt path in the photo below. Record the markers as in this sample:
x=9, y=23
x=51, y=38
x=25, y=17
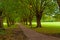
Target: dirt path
x=13, y=34
x=23, y=33
x=32, y=35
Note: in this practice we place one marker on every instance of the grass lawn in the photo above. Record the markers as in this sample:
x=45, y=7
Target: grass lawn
x=47, y=27
x=12, y=26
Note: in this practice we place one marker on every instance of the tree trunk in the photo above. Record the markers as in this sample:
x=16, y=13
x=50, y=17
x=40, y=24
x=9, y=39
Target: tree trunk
x=1, y=22
x=26, y=21
x=38, y=18
x=38, y=21
x=30, y=21
x=58, y=1
x=8, y=23
x=23, y=20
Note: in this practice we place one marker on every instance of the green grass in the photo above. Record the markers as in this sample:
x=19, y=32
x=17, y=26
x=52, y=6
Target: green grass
x=12, y=26
x=49, y=24
x=47, y=27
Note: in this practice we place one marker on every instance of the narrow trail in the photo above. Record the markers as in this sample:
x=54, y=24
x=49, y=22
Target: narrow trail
x=13, y=34
x=33, y=35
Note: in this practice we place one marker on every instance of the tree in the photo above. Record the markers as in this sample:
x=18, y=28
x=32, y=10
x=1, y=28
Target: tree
x=38, y=8
x=12, y=8
x=31, y=14
x=51, y=10
x=1, y=19
x=58, y=1
x=26, y=14
x=1, y=14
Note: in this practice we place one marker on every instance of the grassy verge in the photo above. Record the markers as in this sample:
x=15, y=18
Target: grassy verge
x=12, y=26
x=47, y=28
x=3, y=31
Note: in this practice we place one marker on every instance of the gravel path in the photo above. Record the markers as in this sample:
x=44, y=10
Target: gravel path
x=33, y=35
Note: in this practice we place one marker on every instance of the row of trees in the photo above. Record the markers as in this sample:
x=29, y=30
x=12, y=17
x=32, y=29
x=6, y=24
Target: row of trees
x=8, y=11
x=37, y=8
x=26, y=10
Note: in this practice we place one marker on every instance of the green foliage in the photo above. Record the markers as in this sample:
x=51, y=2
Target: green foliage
x=18, y=9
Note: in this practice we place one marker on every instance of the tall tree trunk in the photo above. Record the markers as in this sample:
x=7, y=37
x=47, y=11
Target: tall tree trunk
x=38, y=21
x=30, y=23
x=8, y=23
x=1, y=22
x=30, y=20
x=58, y=1
x=23, y=20
x=26, y=21
x=38, y=18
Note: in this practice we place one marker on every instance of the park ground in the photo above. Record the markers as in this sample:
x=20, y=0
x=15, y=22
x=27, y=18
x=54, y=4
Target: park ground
x=48, y=28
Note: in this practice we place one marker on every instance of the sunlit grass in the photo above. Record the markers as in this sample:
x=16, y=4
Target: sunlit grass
x=47, y=27
x=48, y=24
x=4, y=23
x=11, y=26
x=3, y=32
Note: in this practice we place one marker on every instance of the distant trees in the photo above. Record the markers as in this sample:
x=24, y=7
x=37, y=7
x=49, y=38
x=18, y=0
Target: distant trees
x=27, y=12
